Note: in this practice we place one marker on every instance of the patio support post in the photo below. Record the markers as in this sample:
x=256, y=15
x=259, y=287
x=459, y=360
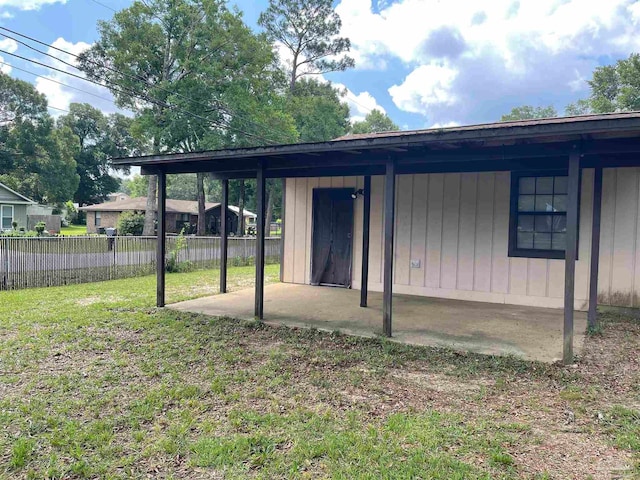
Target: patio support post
x=570, y=254
x=224, y=235
x=389, y=221
x=366, y=222
x=260, y=225
x=161, y=238
x=592, y=316
x=282, y=226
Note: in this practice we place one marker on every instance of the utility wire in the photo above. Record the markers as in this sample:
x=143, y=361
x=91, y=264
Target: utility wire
x=59, y=83
x=125, y=74
x=146, y=98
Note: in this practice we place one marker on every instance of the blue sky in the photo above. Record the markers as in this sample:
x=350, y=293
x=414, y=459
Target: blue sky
x=424, y=62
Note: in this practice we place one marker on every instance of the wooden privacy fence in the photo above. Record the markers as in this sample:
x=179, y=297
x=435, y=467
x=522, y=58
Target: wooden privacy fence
x=51, y=261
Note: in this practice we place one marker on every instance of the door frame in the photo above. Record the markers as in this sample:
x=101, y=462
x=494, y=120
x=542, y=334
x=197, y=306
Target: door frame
x=313, y=232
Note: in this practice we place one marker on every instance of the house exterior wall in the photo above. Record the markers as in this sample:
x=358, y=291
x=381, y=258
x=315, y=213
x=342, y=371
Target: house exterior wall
x=457, y=224
x=19, y=213
x=110, y=220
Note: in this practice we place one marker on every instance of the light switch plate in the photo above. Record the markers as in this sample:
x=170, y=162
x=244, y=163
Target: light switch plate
x=416, y=263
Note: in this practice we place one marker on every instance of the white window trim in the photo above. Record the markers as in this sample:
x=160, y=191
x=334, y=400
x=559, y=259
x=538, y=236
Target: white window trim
x=2, y=217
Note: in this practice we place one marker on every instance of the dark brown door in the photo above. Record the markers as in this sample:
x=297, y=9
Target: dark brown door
x=332, y=232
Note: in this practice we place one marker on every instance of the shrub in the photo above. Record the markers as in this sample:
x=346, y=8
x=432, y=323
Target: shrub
x=130, y=223
x=173, y=265
x=39, y=228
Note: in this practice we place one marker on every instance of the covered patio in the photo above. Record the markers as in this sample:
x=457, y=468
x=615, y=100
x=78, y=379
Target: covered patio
x=530, y=333
x=565, y=146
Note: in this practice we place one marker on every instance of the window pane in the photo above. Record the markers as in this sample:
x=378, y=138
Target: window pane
x=544, y=185
x=525, y=240
x=525, y=223
x=559, y=203
x=527, y=185
x=559, y=223
x=526, y=203
x=542, y=241
x=560, y=185
x=544, y=223
x=559, y=241
x=6, y=223
x=6, y=210
x=544, y=203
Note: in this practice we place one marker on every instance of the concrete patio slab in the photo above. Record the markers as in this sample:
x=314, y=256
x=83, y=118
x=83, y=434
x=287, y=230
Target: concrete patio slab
x=528, y=332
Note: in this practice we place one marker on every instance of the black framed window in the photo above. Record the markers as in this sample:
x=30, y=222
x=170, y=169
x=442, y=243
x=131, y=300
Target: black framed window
x=538, y=223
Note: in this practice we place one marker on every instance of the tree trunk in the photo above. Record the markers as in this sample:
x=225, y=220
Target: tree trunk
x=241, y=209
x=202, y=221
x=269, y=214
x=149, y=228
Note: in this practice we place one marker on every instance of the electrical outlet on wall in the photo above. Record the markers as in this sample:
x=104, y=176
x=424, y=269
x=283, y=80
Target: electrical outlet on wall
x=416, y=263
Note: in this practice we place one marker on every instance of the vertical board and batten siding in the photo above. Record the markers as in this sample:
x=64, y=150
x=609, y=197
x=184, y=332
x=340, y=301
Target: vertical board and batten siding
x=455, y=229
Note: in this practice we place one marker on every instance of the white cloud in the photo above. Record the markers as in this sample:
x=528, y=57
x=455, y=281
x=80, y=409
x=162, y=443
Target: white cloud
x=469, y=53
x=424, y=87
x=359, y=105
x=10, y=46
x=6, y=15
x=445, y=125
x=61, y=96
x=29, y=4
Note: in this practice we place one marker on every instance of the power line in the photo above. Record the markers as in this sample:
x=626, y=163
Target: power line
x=103, y=5
x=120, y=72
x=57, y=82
x=146, y=98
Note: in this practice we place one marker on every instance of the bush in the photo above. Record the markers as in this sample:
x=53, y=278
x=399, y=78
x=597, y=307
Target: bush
x=40, y=227
x=130, y=223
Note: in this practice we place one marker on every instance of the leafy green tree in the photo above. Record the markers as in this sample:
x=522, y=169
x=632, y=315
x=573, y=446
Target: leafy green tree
x=36, y=159
x=309, y=29
x=614, y=88
x=184, y=66
x=374, y=122
x=100, y=139
x=528, y=112
x=318, y=111
x=580, y=107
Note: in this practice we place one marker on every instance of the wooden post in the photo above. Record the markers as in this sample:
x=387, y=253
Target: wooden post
x=366, y=222
x=161, y=239
x=282, y=232
x=260, y=224
x=592, y=316
x=389, y=221
x=570, y=255
x=224, y=235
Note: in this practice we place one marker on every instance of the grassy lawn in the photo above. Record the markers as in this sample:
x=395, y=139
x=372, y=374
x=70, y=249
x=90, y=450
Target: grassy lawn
x=74, y=230
x=97, y=383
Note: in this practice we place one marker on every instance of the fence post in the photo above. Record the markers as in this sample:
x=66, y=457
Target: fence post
x=5, y=263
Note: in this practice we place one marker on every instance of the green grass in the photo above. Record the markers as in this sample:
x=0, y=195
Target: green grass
x=98, y=383
x=74, y=230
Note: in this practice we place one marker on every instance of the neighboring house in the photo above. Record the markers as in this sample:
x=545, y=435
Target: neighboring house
x=180, y=214
x=117, y=197
x=13, y=208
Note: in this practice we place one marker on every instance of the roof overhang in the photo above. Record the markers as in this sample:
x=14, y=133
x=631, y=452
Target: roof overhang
x=609, y=140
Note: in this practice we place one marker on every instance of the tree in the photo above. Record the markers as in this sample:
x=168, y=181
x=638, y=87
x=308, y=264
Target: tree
x=100, y=139
x=179, y=64
x=36, y=159
x=309, y=30
x=374, y=122
x=580, y=107
x=318, y=112
x=528, y=112
x=614, y=88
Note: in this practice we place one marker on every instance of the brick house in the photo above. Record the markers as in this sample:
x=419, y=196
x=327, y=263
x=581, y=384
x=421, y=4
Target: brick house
x=180, y=213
